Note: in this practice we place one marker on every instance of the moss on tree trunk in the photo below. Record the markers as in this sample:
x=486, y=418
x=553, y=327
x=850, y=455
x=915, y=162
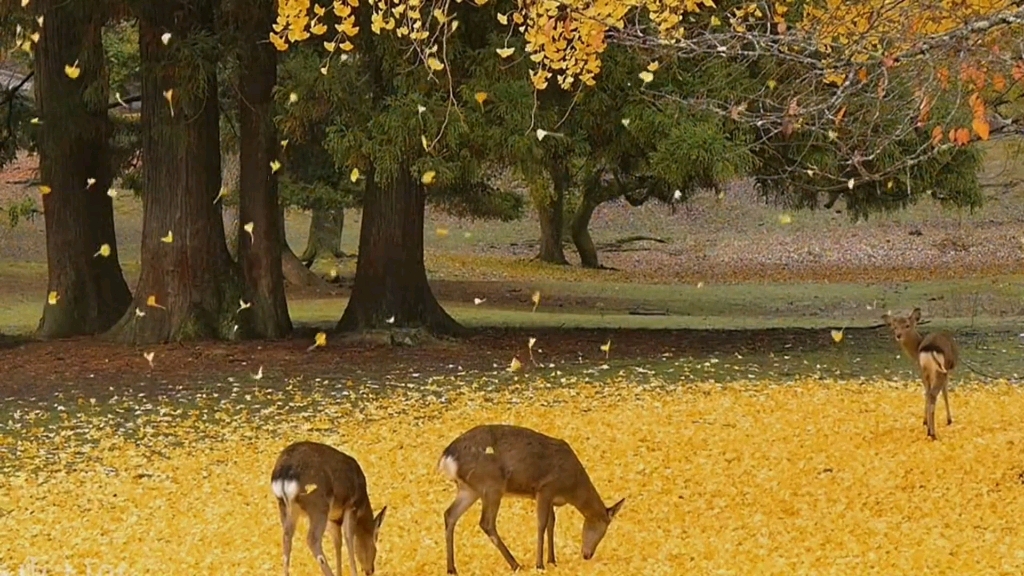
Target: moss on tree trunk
x=74, y=162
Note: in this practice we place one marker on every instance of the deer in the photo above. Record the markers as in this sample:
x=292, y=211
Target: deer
x=490, y=461
x=936, y=353
x=329, y=487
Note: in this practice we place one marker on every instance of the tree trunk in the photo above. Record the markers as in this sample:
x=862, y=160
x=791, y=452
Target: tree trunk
x=188, y=288
x=391, y=279
x=324, y=235
x=581, y=228
x=295, y=272
x=74, y=161
x=552, y=217
x=259, y=253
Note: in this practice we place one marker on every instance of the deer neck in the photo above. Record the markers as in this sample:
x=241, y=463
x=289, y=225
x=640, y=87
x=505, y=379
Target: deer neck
x=588, y=501
x=911, y=342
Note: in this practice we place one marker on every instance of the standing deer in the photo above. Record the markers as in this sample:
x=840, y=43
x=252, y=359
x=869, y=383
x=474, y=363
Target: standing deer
x=490, y=461
x=329, y=487
x=936, y=353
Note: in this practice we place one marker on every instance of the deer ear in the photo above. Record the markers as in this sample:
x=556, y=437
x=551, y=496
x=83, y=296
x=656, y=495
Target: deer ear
x=615, y=508
x=379, y=519
x=916, y=315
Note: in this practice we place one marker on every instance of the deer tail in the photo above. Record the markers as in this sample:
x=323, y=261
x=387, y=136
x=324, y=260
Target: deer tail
x=284, y=483
x=448, y=466
x=932, y=360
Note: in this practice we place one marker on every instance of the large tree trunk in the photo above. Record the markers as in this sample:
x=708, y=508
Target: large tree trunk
x=91, y=293
x=295, y=272
x=325, y=229
x=259, y=253
x=581, y=228
x=192, y=279
x=552, y=217
x=391, y=288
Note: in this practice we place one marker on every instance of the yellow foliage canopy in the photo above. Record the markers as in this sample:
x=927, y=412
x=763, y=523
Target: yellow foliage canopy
x=755, y=478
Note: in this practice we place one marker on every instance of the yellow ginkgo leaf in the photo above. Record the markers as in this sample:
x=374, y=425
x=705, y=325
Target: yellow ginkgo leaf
x=89, y=182
x=103, y=251
x=72, y=70
x=423, y=140
x=541, y=133
x=505, y=52
x=428, y=177
x=274, y=166
x=716, y=21
x=149, y=357
x=44, y=189
x=117, y=96
x=354, y=175
x=293, y=98
x=535, y=299
x=442, y=232
x=837, y=335
x=531, y=342
x=34, y=37
x=165, y=38
x=35, y=120
x=479, y=301
x=772, y=84
x=24, y=3
x=646, y=76
x=785, y=218
x=112, y=192
x=284, y=144
x=606, y=348
x=52, y=297
x=169, y=96
x=319, y=341
x=220, y=194
x=249, y=227
x=625, y=122
x=242, y=304
x=169, y=238
x=489, y=450
x=151, y=302
x=503, y=19
x=330, y=46
x=139, y=313
x=435, y=64
x=515, y=365
x=325, y=69
x=480, y=98
x=309, y=488
x=653, y=66
x=39, y=18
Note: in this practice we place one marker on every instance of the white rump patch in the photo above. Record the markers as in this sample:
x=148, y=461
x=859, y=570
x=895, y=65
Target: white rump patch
x=930, y=357
x=449, y=467
x=285, y=490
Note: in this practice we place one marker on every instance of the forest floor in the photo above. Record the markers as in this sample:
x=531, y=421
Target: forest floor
x=725, y=279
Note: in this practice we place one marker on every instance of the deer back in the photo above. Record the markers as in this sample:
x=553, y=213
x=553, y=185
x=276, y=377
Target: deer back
x=328, y=474
x=520, y=461
x=944, y=343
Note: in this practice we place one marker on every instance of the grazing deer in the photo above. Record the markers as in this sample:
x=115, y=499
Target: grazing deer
x=490, y=461
x=329, y=487
x=936, y=353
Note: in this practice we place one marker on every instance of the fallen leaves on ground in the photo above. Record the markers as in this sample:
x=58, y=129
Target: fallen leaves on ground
x=767, y=477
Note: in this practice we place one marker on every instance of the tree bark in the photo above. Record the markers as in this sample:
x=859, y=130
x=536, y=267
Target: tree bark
x=581, y=228
x=259, y=252
x=191, y=280
x=391, y=278
x=325, y=230
x=552, y=217
x=74, y=161
x=295, y=272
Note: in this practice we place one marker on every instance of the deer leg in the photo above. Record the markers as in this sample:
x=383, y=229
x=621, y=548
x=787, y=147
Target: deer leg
x=933, y=395
x=349, y=524
x=334, y=529
x=463, y=500
x=489, y=524
x=543, y=518
x=924, y=378
x=551, y=535
x=315, y=536
x=945, y=399
x=288, y=526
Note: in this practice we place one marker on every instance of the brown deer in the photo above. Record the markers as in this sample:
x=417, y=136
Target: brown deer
x=489, y=461
x=329, y=487
x=936, y=353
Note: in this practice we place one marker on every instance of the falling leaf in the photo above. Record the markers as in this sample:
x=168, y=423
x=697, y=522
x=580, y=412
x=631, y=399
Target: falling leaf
x=149, y=357
x=221, y=194
x=428, y=177
x=309, y=488
x=850, y=184
x=39, y=19
x=435, y=64
x=332, y=273
x=541, y=134
x=772, y=84
x=293, y=98
x=44, y=189
x=390, y=319
x=785, y=219
x=169, y=96
x=531, y=342
x=646, y=76
x=515, y=365
x=52, y=297
x=139, y=313
x=535, y=299
x=502, y=19
x=480, y=98
x=249, y=227
x=354, y=175
x=700, y=285
x=117, y=96
x=35, y=120
x=112, y=192
x=103, y=251
x=505, y=52
x=423, y=141
x=34, y=37
x=259, y=374
x=625, y=122
x=325, y=69
x=151, y=302
x=24, y=3
x=837, y=335
x=165, y=38
x=242, y=304
x=479, y=301
x=319, y=341
x=89, y=182
x=606, y=348
x=72, y=70
x=275, y=166
x=169, y=238
x=442, y=232
x=420, y=108
x=284, y=144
